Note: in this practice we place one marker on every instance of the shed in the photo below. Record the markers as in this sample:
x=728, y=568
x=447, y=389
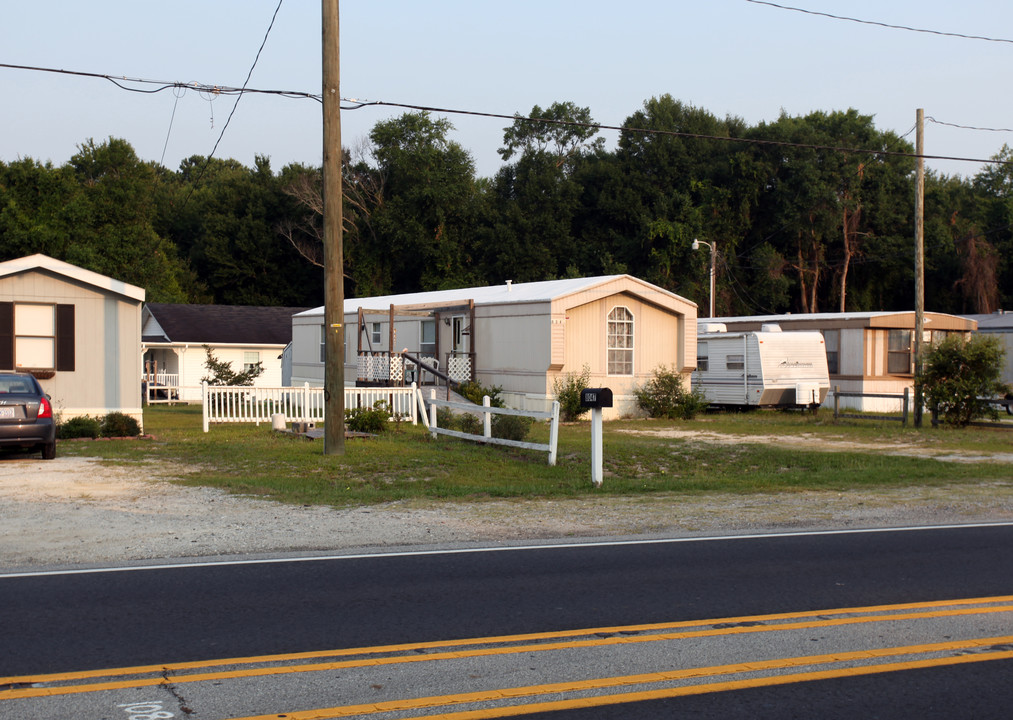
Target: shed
x=867, y=352
x=520, y=337
x=77, y=331
x=174, y=336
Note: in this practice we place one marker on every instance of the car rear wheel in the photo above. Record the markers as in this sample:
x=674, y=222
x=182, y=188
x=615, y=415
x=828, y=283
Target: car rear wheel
x=49, y=451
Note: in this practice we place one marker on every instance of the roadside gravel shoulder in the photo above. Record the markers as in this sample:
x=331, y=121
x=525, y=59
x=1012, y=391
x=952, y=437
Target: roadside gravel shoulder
x=76, y=511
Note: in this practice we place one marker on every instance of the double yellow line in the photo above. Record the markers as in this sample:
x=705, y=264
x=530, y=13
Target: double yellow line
x=28, y=686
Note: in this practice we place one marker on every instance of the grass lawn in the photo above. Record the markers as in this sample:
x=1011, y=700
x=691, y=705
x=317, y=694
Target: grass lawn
x=406, y=463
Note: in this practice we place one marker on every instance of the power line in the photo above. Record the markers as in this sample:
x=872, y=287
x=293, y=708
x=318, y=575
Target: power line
x=355, y=104
x=880, y=24
x=676, y=133
x=239, y=97
x=967, y=127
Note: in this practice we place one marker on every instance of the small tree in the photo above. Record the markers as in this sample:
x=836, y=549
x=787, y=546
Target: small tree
x=567, y=389
x=958, y=376
x=223, y=374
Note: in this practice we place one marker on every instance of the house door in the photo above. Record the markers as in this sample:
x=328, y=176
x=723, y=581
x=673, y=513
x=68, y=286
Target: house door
x=459, y=362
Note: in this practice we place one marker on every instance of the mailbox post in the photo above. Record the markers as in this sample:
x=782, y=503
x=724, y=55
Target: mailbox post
x=596, y=399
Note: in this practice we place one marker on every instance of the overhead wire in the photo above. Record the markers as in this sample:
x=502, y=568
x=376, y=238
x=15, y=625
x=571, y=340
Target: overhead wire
x=880, y=24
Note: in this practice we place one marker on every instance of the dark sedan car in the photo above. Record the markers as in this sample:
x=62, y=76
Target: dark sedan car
x=26, y=415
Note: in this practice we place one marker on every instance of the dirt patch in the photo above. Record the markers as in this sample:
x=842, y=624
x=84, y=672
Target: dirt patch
x=73, y=512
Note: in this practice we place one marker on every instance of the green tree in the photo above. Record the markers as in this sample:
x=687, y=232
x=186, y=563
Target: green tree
x=424, y=222
x=959, y=374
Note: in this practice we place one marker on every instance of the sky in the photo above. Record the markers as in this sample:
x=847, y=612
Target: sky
x=729, y=57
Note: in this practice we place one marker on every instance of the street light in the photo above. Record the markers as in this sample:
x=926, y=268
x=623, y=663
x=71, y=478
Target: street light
x=714, y=251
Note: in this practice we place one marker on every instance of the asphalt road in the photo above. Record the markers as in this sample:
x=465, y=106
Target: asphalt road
x=865, y=624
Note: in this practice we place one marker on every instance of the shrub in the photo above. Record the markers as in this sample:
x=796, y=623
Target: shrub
x=511, y=427
x=118, y=424
x=474, y=392
x=665, y=396
x=79, y=427
x=567, y=389
x=958, y=375
x=223, y=374
x=471, y=424
x=368, y=420
x=446, y=419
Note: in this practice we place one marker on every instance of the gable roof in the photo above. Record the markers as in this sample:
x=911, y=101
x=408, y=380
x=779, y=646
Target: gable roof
x=221, y=324
x=507, y=293
x=58, y=267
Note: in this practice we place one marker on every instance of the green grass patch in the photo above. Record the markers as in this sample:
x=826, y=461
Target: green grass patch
x=408, y=464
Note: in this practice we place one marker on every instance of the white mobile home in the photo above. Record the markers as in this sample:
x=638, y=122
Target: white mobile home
x=764, y=368
x=520, y=337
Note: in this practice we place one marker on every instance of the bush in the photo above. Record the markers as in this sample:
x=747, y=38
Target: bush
x=474, y=392
x=471, y=424
x=665, y=396
x=368, y=420
x=118, y=424
x=511, y=427
x=958, y=375
x=446, y=419
x=567, y=389
x=79, y=427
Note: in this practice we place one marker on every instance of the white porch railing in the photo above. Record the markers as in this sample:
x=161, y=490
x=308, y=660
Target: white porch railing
x=487, y=412
x=161, y=387
x=224, y=404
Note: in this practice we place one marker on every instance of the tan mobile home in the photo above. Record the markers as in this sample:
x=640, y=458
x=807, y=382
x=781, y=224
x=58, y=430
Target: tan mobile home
x=77, y=331
x=517, y=336
x=867, y=352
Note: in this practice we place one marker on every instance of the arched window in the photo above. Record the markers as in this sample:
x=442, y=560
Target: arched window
x=620, y=342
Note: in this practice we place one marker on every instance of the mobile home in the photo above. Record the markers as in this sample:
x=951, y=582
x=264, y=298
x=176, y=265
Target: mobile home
x=765, y=368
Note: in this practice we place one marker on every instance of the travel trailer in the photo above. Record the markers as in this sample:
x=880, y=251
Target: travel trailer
x=765, y=368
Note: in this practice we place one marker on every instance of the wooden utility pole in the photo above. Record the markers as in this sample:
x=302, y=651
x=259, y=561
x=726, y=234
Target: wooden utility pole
x=334, y=289
x=919, y=259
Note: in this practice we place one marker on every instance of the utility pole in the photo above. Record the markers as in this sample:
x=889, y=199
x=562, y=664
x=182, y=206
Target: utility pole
x=334, y=289
x=919, y=259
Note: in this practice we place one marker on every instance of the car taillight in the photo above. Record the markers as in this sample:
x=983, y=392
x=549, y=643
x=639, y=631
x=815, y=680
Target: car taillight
x=45, y=409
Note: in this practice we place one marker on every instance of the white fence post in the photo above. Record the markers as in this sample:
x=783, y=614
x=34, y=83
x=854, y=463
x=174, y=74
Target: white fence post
x=554, y=433
x=204, y=403
x=432, y=413
x=486, y=418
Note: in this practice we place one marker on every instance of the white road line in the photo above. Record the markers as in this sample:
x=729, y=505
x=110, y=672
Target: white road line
x=503, y=548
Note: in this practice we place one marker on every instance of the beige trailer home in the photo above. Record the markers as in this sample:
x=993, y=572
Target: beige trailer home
x=867, y=352
x=517, y=336
x=761, y=368
x=77, y=331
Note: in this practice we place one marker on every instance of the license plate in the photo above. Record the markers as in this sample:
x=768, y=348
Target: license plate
x=6, y=412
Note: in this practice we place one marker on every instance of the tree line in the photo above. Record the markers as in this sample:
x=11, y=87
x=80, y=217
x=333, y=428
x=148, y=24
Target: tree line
x=808, y=213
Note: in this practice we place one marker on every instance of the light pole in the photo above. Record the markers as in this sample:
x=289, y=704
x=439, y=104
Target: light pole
x=714, y=251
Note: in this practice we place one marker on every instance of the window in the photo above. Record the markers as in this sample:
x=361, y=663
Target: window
x=832, y=341
x=735, y=362
x=250, y=361
x=36, y=336
x=620, y=342
x=375, y=335
x=898, y=356
x=427, y=337
x=702, y=361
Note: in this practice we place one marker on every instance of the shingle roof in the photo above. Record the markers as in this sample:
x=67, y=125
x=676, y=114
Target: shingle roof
x=220, y=324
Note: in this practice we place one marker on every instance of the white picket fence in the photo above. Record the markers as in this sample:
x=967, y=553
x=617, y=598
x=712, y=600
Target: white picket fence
x=487, y=412
x=229, y=404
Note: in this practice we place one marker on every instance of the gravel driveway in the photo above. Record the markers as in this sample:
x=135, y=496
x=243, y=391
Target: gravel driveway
x=74, y=511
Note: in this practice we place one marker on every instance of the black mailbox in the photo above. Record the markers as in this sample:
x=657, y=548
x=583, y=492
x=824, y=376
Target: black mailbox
x=596, y=398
